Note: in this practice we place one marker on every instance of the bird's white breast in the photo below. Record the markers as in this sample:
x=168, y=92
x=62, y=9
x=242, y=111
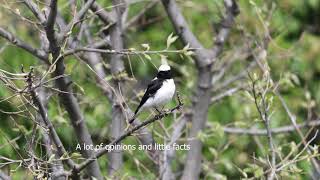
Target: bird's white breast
x=163, y=95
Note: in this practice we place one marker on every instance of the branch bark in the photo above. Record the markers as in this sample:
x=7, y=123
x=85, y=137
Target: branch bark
x=204, y=60
x=68, y=100
x=117, y=66
x=168, y=155
x=52, y=132
x=50, y=137
x=35, y=10
x=23, y=45
x=78, y=17
x=279, y=130
x=105, y=16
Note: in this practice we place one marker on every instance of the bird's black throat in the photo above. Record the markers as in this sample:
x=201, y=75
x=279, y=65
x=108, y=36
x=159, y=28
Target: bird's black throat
x=164, y=74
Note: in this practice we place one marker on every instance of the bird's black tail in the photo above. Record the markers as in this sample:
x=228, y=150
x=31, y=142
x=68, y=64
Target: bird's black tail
x=132, y=119
x=135, y=114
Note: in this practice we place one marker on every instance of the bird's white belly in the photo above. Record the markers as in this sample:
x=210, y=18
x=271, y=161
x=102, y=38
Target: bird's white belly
x=163, y=95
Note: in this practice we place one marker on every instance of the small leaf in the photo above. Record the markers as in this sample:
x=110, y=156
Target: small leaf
x=185, y=49
x=40, y=175
x=213, y=151
x=258, y=172
x=252, y=3
x=50, y=58
x=18, y=11
x=51, y=158
x=189, y=53
x=295, y=79
x=307, y=95
x=76, y=155
x=64, y=156
x=147, y=56
x=171, y=39
x=146, y=46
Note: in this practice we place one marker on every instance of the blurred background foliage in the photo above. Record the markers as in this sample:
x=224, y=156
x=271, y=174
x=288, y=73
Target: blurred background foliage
x=293, y=57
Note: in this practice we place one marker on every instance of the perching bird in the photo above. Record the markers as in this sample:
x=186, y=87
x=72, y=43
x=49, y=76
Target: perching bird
x=160, y=91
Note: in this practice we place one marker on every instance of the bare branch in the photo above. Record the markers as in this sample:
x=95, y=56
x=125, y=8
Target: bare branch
x=47, y=122
x=119, y=52
x=3, y=176
x=35, y=10
x=105, y=16
x=134, y=19
x=232, y=10
x=51, y=21
x=117, y=66
x=68, y=100
x=78, y=17
x=226, y=93
x=23, y=45
x=183, y=30
x=279, y=130
x=201, y=101
x=168, y=155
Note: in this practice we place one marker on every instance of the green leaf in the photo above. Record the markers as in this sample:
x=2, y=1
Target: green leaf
x=50, y=58
x=189, y=53
x=76, y=155
x=147, y=56
x=258, y=172
x=146, y=46
x=51, y=158
x=171, y=39
x=186, y=48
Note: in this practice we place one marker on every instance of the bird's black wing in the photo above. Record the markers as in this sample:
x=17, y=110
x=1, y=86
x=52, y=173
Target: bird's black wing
x=153, y=87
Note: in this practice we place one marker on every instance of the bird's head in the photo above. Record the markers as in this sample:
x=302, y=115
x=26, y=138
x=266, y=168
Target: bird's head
x=164, y=67
x=164, y=72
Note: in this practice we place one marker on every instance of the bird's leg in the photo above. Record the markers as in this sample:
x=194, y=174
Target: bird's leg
x=159, y=112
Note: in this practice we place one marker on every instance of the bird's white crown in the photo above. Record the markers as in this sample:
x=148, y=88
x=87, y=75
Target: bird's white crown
x=164, y=67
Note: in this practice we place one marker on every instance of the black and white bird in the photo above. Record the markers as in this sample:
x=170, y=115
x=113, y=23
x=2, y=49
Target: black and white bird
x=159, y=91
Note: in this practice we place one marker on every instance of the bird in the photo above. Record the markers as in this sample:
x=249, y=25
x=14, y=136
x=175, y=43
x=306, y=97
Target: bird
x=159, y=91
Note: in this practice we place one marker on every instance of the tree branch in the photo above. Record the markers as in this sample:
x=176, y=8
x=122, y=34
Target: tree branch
x=3, y=176
x=52, y=132
x=263, y=132
x=78, y=17
x=183, y=30
x=105, y=16
x=117, y=66
x=23, y=45
x=68, y=100
x=232, y=10
x=168, y=155
x=134, y=19
x=35, y=10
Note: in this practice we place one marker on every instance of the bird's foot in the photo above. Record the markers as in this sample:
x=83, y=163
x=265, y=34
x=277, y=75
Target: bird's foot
x=158, y=116
x=159, y=112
